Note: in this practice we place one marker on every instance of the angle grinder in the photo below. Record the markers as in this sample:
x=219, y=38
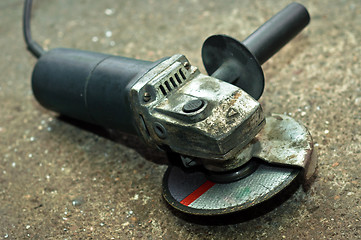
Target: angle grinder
x=225, y=155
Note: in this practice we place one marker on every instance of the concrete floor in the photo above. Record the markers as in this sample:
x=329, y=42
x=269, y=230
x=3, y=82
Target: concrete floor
x=61, y=179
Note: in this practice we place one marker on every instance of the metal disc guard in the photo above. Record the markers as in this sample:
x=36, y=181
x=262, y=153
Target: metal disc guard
x=286, y=148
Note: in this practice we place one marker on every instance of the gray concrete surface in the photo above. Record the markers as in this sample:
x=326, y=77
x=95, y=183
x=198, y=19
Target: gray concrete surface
x=66, y=180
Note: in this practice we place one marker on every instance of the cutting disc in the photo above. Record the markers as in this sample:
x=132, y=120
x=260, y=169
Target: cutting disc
x=193, y=193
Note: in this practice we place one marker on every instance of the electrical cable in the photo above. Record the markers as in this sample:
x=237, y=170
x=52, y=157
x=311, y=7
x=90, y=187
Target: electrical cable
x=32, y=46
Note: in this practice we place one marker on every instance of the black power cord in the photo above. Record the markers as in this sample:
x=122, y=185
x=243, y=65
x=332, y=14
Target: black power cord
x=32, y=46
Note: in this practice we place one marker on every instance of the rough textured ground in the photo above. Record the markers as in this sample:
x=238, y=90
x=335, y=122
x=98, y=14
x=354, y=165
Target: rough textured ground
x=61, y=179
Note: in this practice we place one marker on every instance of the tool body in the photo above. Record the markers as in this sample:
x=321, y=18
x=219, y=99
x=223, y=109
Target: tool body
x=212, y=127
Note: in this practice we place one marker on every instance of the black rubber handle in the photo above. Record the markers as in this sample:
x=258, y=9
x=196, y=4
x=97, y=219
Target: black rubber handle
x=240, y=63
x=277, y=32
x=88, y=86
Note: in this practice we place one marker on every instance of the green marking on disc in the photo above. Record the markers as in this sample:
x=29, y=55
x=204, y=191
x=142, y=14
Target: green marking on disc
x=244, y=192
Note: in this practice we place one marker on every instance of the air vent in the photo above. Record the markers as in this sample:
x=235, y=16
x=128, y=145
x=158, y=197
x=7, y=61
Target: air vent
x=163, y=90
x=172, y=82
x=182, y=74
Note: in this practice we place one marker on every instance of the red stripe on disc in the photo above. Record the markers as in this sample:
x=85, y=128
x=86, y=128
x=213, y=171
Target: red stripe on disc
x=197, y=193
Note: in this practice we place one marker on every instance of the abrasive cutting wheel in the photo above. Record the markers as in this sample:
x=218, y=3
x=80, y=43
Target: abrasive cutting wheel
x=283, y=149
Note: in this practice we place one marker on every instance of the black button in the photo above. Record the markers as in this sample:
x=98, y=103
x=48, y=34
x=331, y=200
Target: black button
x=193, y=105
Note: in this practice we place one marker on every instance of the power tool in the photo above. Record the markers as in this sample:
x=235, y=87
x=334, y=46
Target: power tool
x=225, y=155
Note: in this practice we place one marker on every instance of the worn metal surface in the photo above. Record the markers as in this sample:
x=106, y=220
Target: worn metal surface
x=283, y=141
x=286, y=141
x=225, y=121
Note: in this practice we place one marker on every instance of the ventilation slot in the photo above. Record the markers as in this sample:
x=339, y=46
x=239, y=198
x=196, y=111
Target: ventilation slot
x=173, y=82
x=178, y=79
x=182, y=74
x=163, y=90
x=168, y=86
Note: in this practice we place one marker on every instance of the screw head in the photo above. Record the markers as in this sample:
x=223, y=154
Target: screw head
x=187, y=65
x=146, y=97
x=193, y=70
x=160, y=130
